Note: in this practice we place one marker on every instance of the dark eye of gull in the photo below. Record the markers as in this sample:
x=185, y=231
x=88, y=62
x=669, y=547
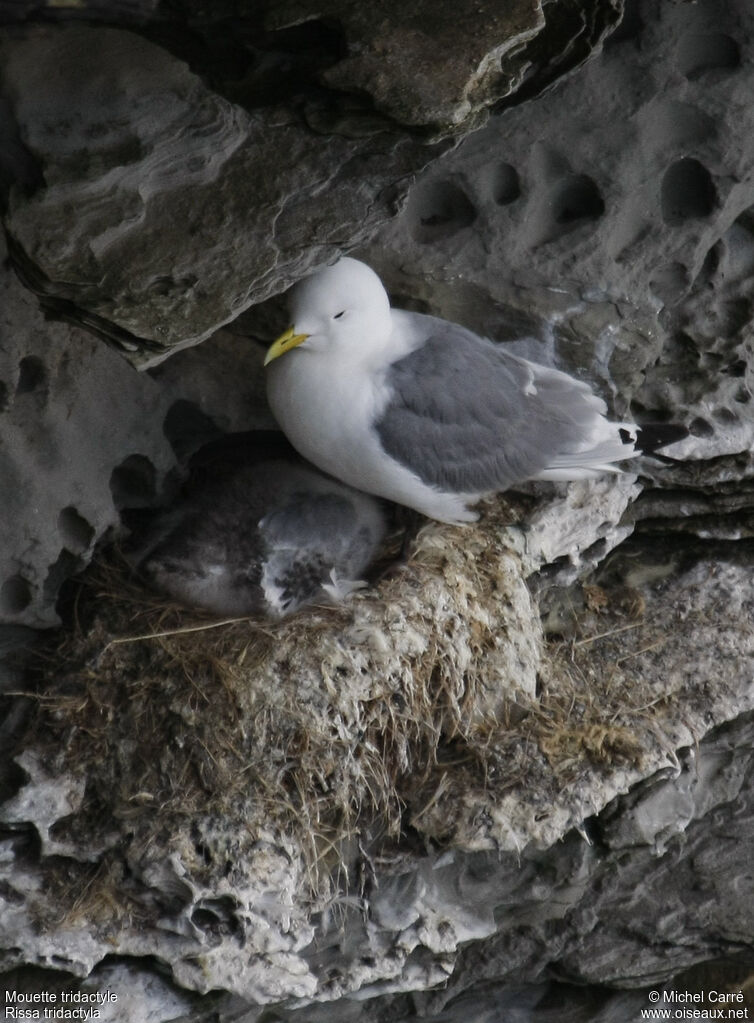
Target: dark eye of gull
x=337, y=316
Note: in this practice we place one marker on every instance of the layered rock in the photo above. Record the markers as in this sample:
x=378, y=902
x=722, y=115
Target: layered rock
x=155, y=210
x=167, y=210
x=573, y=809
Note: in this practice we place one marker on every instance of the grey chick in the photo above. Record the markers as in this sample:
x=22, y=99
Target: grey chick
x=260, y=535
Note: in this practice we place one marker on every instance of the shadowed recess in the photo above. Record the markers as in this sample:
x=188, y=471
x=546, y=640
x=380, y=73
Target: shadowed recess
x=32, y=375
x=241, y=59
x=65, y=565
x=15, y=595
x=701, y=428
x=687, y=192
x=506, y=187
x=133, y=483
x=577, y=198
x=699, y=53
x=670, y=282
x=186, y=427
x=438, y=210
x=629, y=28
x=736, y=369
x=75, y=531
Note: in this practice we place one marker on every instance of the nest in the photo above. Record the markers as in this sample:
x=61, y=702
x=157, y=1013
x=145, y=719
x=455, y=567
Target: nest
x=368, y=727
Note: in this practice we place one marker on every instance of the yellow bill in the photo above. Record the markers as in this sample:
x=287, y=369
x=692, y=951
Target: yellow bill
x=284, y=344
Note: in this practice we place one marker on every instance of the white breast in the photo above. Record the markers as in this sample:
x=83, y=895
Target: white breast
x=328, y=413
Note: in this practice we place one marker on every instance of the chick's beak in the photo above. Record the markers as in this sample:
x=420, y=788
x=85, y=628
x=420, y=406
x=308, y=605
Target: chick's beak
x=284, y=344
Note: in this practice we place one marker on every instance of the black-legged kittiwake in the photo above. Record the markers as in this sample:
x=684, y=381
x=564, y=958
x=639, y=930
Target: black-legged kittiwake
x=259, y=535
x=422, y=411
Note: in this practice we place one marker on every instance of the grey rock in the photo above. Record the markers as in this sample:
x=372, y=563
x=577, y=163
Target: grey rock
x=604, y=226
x=81, y=430
x=393, y=58
x=214, y=203
x=187, y=208
x=362, y=69
x=603, y=914
x=518, y=881
x=78, y=447
x=615, y=240
x=42, y=802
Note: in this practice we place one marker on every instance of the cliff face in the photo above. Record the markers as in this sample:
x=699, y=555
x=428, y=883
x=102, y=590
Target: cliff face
x=513, y=775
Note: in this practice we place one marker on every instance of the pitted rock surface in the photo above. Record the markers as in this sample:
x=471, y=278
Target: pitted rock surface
x=206, y=160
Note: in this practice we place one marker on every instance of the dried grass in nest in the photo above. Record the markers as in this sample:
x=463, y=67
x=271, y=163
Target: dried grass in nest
x=593, y=714
x=161, y=710
x=171, y=718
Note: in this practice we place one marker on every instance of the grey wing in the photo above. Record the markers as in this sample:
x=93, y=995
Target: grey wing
x=468, y=417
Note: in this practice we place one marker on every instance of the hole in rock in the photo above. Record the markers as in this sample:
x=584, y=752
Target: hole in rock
x=63, y=568
x=551, y=569
x=203, y=851
x=13, y=898
x=736, y=369
x=690, y=346
x=75, y=531
x=133, y=483
x=743, y=397
x=23, y=842
x=15, y=595
x=711, y=263
x=186, y=428
x=18, y=166
x=321, y=38
x=725, y=416
x=438, y=210
x=216, y=916
x=596, y=551
x=670, y=282
x=31, y=375
x=506, y=187
x=250, y=66
x=3, y=396
x=66, y=829
x=577, y=198
x=174, y=895
x=701, y=428
x=698, y=53
x=687, y=192
x=651, y=415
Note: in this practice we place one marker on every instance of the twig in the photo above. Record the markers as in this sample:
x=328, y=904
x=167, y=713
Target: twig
x=644, y=649
x=174, y=632
x=610, y=632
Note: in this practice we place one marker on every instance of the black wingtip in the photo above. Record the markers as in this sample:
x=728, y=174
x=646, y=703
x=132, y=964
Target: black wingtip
x=653, y=436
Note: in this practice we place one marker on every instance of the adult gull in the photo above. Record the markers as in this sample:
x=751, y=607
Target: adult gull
x=422, y=411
